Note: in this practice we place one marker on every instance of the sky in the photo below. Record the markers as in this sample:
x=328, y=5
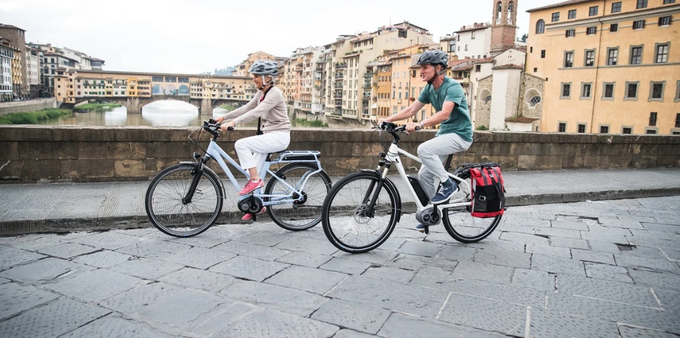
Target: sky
x=195, y=36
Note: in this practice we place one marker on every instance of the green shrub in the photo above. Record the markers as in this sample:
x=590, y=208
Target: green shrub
x=482, y=128
x=315, y=123
x=34, y=117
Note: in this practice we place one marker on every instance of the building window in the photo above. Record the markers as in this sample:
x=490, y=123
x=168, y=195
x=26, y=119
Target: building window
x=535, y=69
x=581, y=128
x=590, y=58
x=651, y=131
x=652, y=119
x=635, y=55
x=562, y=127
x=591, y=30
x=665, y=2
x=612, y=56
x=631, y=91
x=639, y=24
x=472, y=35
x=570, y=33
x=613, y=28
x=604, y=129
x=568, y=59
x=616, y=7
x=566, y=91
x=665, y=20
x=677, y=91
x=466, y=47
x=626, y=130
x=572, y=14
x=641, y=4
x=555, y=17
x=585, y=90
x=592, y=11
x=540, y=27
x=534, y=101
x=661, y=53
x=608, y=92
x=656, y=91
x=677, y=120
x=542, y=53
x=478, y=68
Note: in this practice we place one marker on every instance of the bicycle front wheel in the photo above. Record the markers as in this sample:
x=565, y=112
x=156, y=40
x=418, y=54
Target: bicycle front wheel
x=349, y=221
x=297, y=211
x=460, y=224
x=167, y=205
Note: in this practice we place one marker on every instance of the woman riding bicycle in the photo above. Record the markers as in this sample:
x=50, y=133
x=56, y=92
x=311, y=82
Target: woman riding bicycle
x=455, y=133
x=269, y=104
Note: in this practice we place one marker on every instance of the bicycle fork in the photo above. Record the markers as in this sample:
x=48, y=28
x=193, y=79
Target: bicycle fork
x=197, y=173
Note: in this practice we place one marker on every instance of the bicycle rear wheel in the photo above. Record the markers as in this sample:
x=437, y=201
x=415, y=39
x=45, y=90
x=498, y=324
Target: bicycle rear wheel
x=348, y=221
x=300, y=214
x=460, y=224
x=167, y=209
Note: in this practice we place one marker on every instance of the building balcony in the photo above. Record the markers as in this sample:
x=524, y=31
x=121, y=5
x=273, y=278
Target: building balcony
x=367, y=85
x=375, y=84
x=368, y=75
x=339, y=76
x=337, y=85
x=340, y=65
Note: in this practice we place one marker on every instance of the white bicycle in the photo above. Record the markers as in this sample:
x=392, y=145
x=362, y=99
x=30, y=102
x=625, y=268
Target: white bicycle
x=363, y=208
x=185, y=199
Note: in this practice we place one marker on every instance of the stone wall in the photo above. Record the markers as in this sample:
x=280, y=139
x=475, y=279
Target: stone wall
x=27, y=106
x=70, y=153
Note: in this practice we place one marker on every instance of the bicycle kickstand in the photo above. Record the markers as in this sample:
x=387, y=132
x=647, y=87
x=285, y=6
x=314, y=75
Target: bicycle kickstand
x=426, y=229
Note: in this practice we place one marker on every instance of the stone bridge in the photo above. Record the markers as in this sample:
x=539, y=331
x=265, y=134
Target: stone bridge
x=134, y=105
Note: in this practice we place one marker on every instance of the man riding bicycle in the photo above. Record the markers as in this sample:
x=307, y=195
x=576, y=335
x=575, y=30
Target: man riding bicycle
x=455, y=132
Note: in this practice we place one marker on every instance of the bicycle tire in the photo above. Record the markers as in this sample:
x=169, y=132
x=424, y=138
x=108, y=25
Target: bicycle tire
x=167, y=212
x=340, y=211
x=300, y=215
x=460, y=224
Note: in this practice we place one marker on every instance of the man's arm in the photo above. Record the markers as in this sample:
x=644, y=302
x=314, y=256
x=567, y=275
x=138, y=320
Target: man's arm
x=407, y=112
x=439, y=116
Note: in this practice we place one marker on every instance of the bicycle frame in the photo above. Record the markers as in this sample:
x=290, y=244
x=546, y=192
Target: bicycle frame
x=393, y=158
x=215, y=152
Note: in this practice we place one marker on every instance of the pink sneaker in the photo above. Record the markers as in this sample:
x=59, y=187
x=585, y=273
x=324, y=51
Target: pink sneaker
x=250, y=186
x=248, y=217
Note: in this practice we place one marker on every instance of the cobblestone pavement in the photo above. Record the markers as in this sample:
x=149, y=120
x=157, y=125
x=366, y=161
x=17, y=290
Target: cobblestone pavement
x=590, y=269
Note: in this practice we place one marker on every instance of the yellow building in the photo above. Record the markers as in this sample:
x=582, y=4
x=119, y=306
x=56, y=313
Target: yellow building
x=384, y=89
x=609, y=67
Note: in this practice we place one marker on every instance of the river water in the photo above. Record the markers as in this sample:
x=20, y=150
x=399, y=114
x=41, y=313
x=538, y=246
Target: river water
x=160, y=113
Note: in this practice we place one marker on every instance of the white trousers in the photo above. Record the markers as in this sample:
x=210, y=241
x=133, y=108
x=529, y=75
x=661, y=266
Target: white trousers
x=433, y=153
x=252, y=151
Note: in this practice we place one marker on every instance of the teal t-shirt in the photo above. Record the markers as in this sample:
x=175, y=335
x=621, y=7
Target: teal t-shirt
x=459, y=121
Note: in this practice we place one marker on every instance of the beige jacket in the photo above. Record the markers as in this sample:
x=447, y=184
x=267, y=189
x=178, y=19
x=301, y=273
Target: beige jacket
x=272, y=110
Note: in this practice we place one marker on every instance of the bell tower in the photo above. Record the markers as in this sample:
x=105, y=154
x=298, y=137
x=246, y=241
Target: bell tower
x=503, y=26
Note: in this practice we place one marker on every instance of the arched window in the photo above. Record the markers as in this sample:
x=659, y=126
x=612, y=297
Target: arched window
x=535, y=100
x=510, y=10
x=499, y=11
x=540, y=26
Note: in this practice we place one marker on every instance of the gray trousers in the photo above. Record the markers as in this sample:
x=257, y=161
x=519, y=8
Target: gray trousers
x=433, y=153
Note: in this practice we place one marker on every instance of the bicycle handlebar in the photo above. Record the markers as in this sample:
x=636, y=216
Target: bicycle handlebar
x=391, y=127
x=213, y=127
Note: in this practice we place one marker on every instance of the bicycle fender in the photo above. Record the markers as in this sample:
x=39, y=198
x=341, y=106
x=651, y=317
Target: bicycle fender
x=210, y=172
x=390, y=185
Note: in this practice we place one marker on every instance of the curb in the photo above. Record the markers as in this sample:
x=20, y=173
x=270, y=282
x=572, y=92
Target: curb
x=65, y=225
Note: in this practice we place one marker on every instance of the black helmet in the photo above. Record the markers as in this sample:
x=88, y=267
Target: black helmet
x=434, y=57
x=270, y=68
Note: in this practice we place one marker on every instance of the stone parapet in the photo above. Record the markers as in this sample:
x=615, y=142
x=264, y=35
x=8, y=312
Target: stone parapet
x=81, y=154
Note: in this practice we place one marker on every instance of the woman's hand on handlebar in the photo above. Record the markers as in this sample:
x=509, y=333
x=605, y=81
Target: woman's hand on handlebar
x=226, y=125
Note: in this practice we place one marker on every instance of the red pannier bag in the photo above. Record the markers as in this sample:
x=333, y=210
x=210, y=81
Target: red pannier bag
x=488, y=192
